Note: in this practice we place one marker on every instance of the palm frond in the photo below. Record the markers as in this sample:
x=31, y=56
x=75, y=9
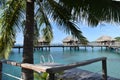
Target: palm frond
x=58, y=12
x=108, y=12
x=9, y=19
x=44, y=19
x=75, y=31
x=92, y=11
x=47, y=34
x=36, y=32
x=63, y=17
x=2, y=3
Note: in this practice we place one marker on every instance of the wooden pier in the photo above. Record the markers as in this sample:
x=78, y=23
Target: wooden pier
x=55, y=69
x=71, y=47
x=48, y=47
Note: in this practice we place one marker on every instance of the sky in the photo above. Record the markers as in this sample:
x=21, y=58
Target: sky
x=91, y=33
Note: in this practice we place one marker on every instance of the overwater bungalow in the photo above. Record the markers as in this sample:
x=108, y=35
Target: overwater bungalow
x=70, y=40
x=42, y=41
x=105, y=40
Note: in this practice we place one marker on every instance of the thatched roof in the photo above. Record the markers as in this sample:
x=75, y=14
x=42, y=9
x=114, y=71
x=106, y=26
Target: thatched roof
x=41, y=39
x=69, y=38
x=105, y=38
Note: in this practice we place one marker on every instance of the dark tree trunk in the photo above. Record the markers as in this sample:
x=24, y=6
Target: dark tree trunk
x=28, y=40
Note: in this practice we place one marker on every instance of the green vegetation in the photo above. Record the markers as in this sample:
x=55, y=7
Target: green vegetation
x=13, y=16
x=117, y=39
x=41, y=76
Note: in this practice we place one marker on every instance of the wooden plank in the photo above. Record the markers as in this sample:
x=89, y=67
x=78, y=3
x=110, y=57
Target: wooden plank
x=37, y=68
x=11, y=62
x=70, y=66
x=34, y=67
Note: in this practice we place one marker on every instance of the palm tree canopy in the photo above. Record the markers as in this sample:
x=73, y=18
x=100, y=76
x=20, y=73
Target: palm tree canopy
x=63, y=12
x=14, y=12
x=92, y=11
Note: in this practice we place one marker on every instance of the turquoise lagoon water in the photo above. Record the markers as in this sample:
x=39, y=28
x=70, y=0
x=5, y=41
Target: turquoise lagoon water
x=67, y=57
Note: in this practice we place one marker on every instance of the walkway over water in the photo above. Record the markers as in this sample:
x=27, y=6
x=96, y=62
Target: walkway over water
x=116, y=46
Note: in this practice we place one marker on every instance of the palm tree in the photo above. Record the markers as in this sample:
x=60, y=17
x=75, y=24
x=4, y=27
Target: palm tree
x=12, y=15
x=28, y=40
x=63, y=12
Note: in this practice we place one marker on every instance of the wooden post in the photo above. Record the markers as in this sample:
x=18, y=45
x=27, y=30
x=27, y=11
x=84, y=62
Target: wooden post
x=46, y=48
x=70, y=48
x=78, y=47
x=19, y=49
x=101, y=48
x=42, y=48
x=63, y=48
x=49, y=48
x=85, y=48
x=51, y=76
x=104, y=69
x=0, y=70
x=92, y=47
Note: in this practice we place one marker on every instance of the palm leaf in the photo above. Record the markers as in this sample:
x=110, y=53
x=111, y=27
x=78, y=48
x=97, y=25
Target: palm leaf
x=2, y=3
x=9, y=19
x=92, y=11
x=47, y=34
x=63, y=17
x=43, y=19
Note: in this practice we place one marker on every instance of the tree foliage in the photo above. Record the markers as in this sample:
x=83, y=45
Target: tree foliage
x=8, y=21
x=117, y=39
x=13, y=13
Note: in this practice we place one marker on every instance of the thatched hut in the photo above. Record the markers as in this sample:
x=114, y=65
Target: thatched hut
x=105, y=40
x=42, y=41
x=70, y=40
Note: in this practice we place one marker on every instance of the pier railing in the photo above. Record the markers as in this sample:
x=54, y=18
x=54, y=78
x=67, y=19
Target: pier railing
x=53, y=70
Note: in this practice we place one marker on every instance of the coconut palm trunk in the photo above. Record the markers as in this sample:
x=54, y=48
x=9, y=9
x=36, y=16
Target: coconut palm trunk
x=28, y=40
